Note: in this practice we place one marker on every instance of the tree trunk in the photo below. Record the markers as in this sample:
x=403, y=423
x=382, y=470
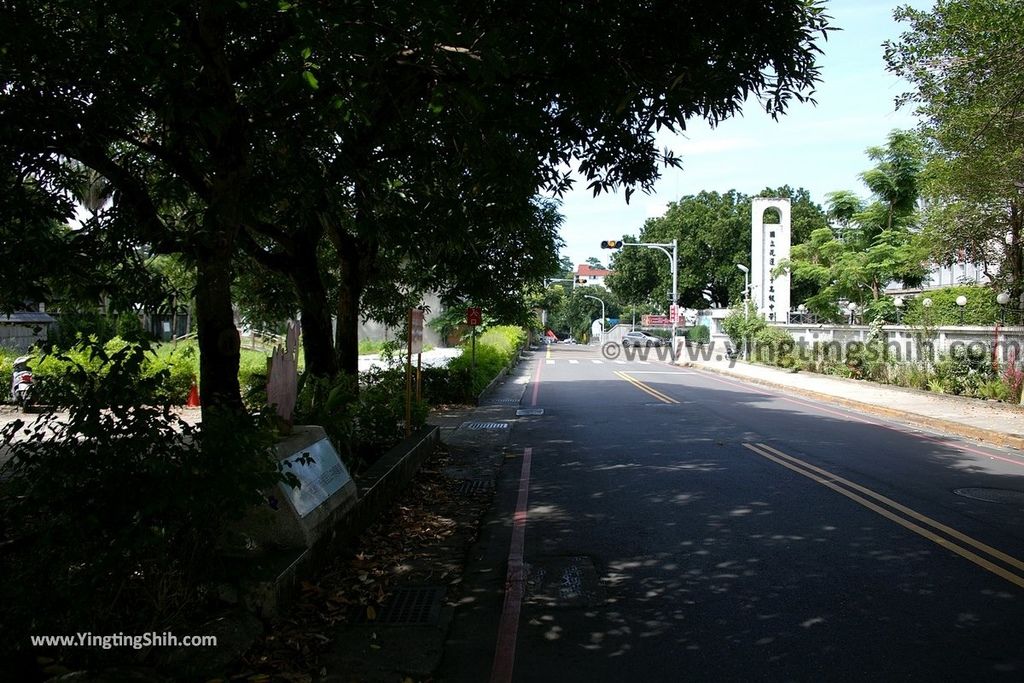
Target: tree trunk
x=219, y=341
x=1016, y=255
x=317, y=346
x=350, y=291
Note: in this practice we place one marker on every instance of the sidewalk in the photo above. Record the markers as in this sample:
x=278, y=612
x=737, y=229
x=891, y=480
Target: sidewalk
x=459, y=485
x=1001, y=424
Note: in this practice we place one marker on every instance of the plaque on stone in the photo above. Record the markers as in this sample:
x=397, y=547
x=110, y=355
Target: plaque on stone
x=320, y=473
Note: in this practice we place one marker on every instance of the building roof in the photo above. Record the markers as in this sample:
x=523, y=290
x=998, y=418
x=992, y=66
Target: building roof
x=26, y=318
x=583, y=270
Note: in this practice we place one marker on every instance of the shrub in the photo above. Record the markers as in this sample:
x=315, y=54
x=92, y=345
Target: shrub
x=981, y=308
x=964, y=369
x=447, y=385
x=700, y=334
x=53, y=370
x=774, y=346
x=495, y=349
x=119, y=511
x=362, y=421
x=1013, y=378
x=7, y=357
x=252, y=379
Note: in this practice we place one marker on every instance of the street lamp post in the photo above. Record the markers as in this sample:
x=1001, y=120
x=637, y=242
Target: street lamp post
x=746, y=288
x=1002, y=299
x=961, y=301
x=746, y=305
x=673, y=258
x=602, y=313
x=898, y=303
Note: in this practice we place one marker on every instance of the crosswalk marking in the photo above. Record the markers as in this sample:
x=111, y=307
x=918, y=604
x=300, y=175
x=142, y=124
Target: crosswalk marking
x=574, y=362
x=594, y=360
x=551, y=362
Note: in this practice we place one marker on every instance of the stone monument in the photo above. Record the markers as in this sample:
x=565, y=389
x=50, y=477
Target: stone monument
x=769, y=245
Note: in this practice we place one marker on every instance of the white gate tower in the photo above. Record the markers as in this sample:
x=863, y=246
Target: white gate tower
x=769, y=244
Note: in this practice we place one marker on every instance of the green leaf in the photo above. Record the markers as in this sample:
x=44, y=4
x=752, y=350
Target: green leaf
x=311, y=80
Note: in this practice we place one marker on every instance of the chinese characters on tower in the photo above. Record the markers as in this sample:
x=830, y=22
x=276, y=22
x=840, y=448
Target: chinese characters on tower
x=769, y=246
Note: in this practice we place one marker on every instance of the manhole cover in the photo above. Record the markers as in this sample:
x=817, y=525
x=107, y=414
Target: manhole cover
x=468, y=487
x=529, y=411
x=485, y=425
x=412, y=606
x=1005, y=496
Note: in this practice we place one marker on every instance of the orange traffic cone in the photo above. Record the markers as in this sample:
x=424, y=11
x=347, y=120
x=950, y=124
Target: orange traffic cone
x=193, y=396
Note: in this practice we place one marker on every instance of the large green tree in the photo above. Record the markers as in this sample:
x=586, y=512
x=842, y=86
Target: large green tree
x=965, y=59
x=275, y=126
x=713, y=233
x=870, y=243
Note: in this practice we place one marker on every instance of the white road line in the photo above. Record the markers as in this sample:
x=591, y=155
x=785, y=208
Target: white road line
x=573, y=361
x=644, y=362
x=551, y=362
x=594, y=360
x=620, y=362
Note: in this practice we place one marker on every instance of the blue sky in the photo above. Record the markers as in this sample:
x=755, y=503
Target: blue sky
x=820, y=148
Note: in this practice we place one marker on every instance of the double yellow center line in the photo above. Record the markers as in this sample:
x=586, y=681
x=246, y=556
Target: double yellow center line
x=985, y=556
x=646, y=389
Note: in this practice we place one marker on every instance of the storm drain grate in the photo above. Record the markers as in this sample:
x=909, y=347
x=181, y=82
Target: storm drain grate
x=504, y=402
x=412, y=606
x=992, y=495
x=468, y=487
x=485, y=425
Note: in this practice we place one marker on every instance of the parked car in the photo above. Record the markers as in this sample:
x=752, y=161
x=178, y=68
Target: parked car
x=637, y=338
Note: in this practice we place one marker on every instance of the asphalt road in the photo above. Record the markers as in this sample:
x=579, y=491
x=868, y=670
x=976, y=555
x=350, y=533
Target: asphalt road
x=674, y=525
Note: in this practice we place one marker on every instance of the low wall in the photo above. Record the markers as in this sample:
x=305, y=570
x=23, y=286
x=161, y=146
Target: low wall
x=908, y=344
x=272, y=581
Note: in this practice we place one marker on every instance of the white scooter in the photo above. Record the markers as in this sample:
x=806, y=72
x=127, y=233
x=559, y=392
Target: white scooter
x=21, y=381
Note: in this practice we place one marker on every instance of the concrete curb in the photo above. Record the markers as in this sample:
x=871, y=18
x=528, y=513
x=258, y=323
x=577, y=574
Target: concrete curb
x=266, y=592
x=958, y=428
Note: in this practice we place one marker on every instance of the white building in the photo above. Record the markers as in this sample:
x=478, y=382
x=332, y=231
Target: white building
x=588, y=275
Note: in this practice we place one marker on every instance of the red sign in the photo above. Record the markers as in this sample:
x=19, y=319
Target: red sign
x=474, y=316
x=673, y=312
x=654, y=320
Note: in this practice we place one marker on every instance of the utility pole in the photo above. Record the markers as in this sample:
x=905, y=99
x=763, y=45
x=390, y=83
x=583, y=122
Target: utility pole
x=673, y=259
x=587, y=296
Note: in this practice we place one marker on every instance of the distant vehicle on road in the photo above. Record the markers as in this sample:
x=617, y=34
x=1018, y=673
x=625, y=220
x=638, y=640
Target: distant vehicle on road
x=569, y=340
x=642, y=339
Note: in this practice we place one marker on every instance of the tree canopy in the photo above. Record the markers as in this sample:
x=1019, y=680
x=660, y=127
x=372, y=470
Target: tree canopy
x=713, y=231
x=870, y=243
x=410, y=137
x=965, y=59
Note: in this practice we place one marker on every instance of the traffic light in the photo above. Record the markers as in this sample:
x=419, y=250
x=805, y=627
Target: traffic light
x=611, y=244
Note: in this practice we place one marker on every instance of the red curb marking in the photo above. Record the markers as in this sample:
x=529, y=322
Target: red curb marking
x=515, y=582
